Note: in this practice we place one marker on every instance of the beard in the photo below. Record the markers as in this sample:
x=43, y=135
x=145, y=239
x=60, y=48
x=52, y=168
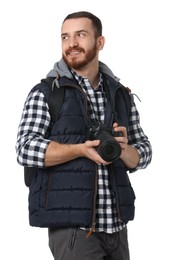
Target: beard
x=74, y=63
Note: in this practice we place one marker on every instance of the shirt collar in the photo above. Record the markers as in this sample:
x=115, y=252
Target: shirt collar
x=81, y=80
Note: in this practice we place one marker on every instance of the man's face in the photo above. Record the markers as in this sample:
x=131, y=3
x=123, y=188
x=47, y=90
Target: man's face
x=79, y=44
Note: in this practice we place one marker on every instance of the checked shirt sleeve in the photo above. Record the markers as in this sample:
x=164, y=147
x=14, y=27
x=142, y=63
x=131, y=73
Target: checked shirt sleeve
x=31, y=142
x=138, y=139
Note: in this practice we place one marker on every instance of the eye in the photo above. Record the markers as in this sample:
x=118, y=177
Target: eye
x=64, y=37
x=81, y=35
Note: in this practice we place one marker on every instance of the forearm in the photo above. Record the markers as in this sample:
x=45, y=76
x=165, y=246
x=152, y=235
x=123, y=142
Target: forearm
x=57, y=153
x=130, y=157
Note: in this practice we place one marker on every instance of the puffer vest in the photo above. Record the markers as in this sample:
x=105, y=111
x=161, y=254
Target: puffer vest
x=65, y=195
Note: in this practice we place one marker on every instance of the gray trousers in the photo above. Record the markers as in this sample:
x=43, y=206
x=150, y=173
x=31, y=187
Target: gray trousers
x=72, y=244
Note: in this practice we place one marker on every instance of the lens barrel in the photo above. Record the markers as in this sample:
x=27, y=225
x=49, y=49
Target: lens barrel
x=109, y=149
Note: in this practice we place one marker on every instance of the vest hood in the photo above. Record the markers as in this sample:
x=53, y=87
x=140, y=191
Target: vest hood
x=61, y=69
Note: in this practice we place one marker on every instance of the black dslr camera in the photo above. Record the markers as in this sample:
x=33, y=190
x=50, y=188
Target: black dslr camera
x=109, y=149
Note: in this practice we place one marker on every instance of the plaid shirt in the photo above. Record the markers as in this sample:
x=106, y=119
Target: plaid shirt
x=31, y=145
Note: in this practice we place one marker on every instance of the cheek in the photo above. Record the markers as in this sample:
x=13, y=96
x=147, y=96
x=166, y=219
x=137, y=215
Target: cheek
x=64, y=47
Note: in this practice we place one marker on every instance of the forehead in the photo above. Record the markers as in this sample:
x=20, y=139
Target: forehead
x=77, y=24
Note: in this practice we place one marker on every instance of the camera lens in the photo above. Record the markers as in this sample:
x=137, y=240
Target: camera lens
x=109, y=149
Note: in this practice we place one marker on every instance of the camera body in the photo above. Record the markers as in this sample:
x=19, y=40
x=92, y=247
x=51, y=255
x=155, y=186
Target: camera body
x=109, y=149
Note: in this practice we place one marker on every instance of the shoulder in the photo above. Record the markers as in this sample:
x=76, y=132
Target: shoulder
x=44, y=87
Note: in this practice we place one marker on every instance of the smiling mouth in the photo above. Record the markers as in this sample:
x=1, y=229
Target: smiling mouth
x=74, y=53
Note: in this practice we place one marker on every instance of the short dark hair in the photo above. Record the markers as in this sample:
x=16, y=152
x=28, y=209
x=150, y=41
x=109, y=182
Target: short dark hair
x=83, y=14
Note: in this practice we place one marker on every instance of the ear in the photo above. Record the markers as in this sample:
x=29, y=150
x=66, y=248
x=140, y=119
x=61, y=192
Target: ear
x=100, y=42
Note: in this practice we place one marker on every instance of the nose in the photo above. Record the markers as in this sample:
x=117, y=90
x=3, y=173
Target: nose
x=73, y=42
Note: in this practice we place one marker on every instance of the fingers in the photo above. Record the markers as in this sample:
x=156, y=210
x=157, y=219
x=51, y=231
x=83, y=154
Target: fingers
x=121, y=129
x=122, y=140
x=94, y=143
x=91, y=153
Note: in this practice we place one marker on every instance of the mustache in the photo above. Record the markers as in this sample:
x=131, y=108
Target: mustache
x=75, y=49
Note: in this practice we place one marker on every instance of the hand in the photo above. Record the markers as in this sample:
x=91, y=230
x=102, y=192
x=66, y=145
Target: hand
x=89, y=151
x=122, y=140
x=129, y=154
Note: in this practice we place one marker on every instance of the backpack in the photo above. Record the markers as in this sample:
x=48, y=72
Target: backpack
x=54, y=102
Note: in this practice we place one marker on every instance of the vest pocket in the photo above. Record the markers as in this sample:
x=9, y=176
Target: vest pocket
x=47, y=191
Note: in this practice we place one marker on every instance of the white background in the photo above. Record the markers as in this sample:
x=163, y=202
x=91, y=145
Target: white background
x=136, y=50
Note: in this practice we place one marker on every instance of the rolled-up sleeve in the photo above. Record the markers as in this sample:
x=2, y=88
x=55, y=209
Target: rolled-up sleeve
x=31, y=142
x=138, y=139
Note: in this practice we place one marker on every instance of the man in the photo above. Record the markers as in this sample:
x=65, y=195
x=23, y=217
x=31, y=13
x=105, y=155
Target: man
x=83, y=198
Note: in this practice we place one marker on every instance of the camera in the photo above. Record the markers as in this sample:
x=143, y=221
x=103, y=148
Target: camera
x=109, y=149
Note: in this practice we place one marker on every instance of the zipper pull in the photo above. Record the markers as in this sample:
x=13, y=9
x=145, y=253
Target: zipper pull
x=92, y=229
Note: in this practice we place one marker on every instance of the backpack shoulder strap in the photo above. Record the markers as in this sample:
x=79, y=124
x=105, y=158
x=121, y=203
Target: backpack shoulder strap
x=54, y=94
x=55, y=98
x=127, y=98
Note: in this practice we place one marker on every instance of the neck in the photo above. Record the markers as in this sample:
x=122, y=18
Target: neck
x=91, y=72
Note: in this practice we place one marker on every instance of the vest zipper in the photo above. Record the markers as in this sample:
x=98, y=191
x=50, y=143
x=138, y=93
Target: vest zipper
x=92, y=228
